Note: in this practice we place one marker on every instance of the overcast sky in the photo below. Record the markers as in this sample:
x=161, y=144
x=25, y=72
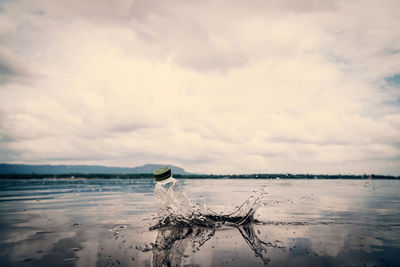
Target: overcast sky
x=303, y=86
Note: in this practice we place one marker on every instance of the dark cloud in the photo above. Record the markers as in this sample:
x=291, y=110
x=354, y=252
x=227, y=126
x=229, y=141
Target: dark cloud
x=11, y=69
x=12, y=66
x=127, y=126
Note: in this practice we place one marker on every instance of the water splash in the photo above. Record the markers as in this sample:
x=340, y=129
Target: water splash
x=179, y=227
x=171, y=199
x=202, y=216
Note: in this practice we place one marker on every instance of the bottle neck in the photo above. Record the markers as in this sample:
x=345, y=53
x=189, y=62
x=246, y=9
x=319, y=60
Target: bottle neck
x=166, y=181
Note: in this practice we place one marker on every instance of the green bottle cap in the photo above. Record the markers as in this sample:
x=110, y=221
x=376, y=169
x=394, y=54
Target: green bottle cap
x=162, y=173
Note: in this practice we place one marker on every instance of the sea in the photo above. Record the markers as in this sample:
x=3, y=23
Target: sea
x=113, y=222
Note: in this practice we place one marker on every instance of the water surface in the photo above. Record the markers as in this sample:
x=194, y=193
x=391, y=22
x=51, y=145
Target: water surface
x=106, y=223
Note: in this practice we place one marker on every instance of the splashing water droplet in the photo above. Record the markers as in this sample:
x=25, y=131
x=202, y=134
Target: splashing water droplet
x=175, y=208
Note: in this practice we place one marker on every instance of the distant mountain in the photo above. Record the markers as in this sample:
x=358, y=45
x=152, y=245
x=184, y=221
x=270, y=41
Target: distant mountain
x=84, y=169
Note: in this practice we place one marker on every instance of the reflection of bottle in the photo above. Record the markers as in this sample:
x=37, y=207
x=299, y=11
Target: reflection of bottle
x=256, y=244
x=169, y=194
x=170, y=246
x=171, y=243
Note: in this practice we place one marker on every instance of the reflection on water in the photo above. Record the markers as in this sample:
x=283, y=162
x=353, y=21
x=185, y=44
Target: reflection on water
x=106, y=223
x=256, y=244
x=178, y=228
x=171, y=243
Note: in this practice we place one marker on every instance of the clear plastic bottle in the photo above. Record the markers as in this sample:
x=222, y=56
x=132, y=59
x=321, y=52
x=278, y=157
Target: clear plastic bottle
x=171, y=199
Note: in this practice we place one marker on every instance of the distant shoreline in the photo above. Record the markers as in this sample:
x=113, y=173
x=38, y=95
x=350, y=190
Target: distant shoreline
x=29, y=171
x=195, y=176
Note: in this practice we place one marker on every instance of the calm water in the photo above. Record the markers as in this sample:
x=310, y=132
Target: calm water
x=106, y=223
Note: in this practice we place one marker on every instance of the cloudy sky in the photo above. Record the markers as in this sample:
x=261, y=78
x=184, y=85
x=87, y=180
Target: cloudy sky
x=303, y=86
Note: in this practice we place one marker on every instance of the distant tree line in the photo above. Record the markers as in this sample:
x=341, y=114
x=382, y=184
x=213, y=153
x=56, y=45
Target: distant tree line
x=192, y=176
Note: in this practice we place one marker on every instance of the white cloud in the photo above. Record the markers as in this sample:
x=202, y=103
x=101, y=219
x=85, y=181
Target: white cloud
x=212, y=87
